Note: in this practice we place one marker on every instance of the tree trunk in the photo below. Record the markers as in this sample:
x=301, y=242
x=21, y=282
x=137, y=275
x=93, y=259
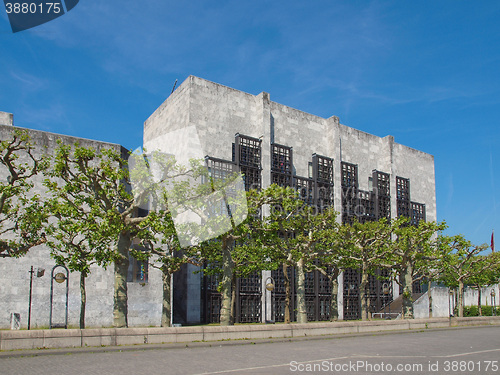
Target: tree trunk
x=362, y=292
x=479, y=300
x=407, y=292
x=83, y=298
x=301, y=293
x=429, y=295
x=460, y=299
x=227, y=277
x=334, y=309
x=287, y=293
x=233, y=299
x=166, y=313
x=121, y=270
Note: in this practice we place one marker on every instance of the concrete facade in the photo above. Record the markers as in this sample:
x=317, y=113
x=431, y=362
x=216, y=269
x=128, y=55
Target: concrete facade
x=76, y=338
x=443, y=302
x=218, y=112
x=6, y=118
x=144, y=300
x=203, y=117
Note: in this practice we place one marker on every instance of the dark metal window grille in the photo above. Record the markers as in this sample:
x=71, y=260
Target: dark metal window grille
x=304, y=187
x=248, y=156
x=214, y=306
x=417, y=212
x=311, y=307
x=323, y=169
x=324, y=307
x=384, y=208
x=323, y=178
x=279, y=294
x=349, y=175
x=281, y=179
x=219, y=169
x=352, y=306
x=402, y=188
x=309, y=283
x=382, y=194
x=365, y=208
x=383, y=183
x=249, y=299
x=324, y=195
x=282, y=157
x=318, y=296
x=212, y=299
x=403, y=196
x=281, y=165
x=378, y=299
x=252, y=178
x=385, y=278
x=349, y=182
x=250, y=308
x=251, y=284
x=324, y=284
x=416, y=287
x=249, y=151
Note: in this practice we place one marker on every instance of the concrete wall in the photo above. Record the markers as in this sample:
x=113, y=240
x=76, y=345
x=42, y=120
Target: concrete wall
x=144, y=301
x=203, y=117
x=74, y=338
x=442, y=302
x=6, y=118
x=218, y=112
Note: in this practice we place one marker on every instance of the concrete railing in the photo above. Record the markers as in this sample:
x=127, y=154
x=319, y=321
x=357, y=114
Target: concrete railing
x=74, y=338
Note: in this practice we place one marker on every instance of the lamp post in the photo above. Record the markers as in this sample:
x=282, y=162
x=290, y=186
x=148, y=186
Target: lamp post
x=39, y=273
x=493, y=304
x=269, y=287
x=449, y=302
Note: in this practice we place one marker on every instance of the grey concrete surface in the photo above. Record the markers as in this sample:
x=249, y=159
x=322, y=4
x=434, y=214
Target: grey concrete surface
x=443, y=351
x=75, y=338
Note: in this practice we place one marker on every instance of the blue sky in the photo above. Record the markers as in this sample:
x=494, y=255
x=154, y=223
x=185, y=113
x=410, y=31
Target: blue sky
x=426, y=72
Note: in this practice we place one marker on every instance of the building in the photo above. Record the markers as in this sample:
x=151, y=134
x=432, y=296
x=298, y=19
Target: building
x=362, y=175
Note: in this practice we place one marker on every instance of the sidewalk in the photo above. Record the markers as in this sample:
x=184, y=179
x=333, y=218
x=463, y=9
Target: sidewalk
x=122, y=337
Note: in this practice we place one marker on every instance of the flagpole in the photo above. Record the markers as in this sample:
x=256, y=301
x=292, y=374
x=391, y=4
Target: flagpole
x=493, y=240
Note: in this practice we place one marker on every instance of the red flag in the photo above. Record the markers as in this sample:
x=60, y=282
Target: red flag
x=493, y=241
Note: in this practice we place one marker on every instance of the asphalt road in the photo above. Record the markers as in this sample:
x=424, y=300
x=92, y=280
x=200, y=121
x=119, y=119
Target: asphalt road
x=450, y=351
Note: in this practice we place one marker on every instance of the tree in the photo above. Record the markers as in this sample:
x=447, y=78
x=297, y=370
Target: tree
x=412, y=253
x=308, y=230
x=161, y=248
x=283, y=204
x=367, y=247
x=103, y=180
x=332, y=261
x=485, y=272
x=21, y=211
x=302, y=236
x=76, y=236
x=238, y=252
x=461, y=261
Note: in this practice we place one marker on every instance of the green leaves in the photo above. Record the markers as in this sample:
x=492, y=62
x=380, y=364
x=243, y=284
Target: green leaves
x=21, y=211
x=463, y=262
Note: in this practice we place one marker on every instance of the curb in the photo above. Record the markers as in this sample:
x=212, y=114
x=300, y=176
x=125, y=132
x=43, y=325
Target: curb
x=170, y=337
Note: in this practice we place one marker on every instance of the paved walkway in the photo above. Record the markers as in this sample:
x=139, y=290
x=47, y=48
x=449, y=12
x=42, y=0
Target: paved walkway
x=445, y=351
